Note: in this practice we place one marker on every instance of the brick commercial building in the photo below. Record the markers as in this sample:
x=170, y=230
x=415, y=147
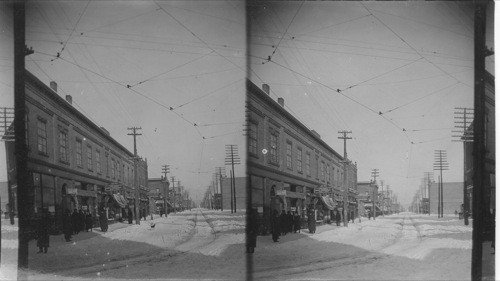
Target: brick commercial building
x=289, y=166
x=75, y=164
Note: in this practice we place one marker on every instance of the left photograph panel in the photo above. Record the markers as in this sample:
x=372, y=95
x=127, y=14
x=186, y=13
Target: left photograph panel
x=132, y=140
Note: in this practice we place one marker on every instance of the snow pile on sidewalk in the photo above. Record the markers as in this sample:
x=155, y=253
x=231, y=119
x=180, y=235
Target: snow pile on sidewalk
x=225, y=225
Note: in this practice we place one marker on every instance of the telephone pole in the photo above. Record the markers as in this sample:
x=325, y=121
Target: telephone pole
x=428, y=176
x=374, y=175
x=172, y=179
x=345, y=137
x=232, y=159
x=165, y=171
x=136, y=188
x=220, y=172
x=464, y=117
x=383, y=197
x=440, y=163
x=7, y=116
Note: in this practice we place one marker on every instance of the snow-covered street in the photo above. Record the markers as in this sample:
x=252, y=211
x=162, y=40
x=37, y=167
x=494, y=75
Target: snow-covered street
x=189, y=244
x=397, y=247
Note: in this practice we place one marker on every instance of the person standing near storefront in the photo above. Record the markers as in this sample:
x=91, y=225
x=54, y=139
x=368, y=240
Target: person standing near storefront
x=311, y=221
x=283, y=223
x=43, y=232
x=338, y=218
x=129, y=216
x=103, y=220
x=67, y=225
x=82, y=220
x=289, y=222
x=75, y=222
x=88, y=221
x=296, y=222
x=275, y=225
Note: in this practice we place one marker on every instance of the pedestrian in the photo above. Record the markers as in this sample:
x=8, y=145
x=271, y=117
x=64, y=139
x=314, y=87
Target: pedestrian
x=338, y=218
x=75, y=221
x=43, y=232
x=252, y=232
x=89, y=222
x=82, y=220
x=67, y=225
x=311, y=220
x=103, y=219
x=296, y=222
x=129, y=216
x=352, y=217
x=161, y=212
x=289, y=222
x=283, y=223
x=275, y=225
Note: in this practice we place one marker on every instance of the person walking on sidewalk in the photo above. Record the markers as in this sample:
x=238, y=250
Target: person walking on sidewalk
x=283, y=223
x=311, y=221
x=103, y=220
x=275, y=226
x=289, y=222
x=89, y=222
x=338, y=218
x=129, y=216
x=296, y=223
x=43, y=232
x=67, y=225
x=75, y=221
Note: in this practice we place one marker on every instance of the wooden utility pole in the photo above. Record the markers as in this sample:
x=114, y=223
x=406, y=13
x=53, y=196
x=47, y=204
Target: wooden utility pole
x=7, y=116
x=136, y=185
x=464, y=130
x=440, y=163
x=165, y=171
x=345, y=137
x=374, y=175
x=220, y=173
x=25, y=194
x=172, y=178
x=479, y=149
x=232, y=159
x=428, y=176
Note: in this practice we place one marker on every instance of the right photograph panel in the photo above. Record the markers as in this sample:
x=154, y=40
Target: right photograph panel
x=362, y=148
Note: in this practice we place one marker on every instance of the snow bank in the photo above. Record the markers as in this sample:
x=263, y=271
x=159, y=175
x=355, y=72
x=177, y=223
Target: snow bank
x=225, y=225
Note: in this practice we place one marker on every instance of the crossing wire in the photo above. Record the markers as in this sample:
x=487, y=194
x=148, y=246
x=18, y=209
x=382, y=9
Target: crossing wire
x=286, y=30
x=74, y=27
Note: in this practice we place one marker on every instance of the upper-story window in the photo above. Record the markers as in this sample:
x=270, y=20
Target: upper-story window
x=63, y=146
x=322, y=167
x=113, y=167
x=98, y=161
x=79, y=153
x=42, y=136
x=299, y=160
x=328, y=173
x=273, y=147
x=289, y=155
x=89, y=158
x=308, y=164
x=252, y=138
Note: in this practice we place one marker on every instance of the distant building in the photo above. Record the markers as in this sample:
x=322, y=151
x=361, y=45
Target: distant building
x=368, y=197
x=289, y=166
x=73, y=163
x=158, y=194
x=453, y=196
x=241, y=193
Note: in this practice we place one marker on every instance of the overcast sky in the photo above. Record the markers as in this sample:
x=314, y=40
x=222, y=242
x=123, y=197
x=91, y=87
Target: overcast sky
x=391, y=72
